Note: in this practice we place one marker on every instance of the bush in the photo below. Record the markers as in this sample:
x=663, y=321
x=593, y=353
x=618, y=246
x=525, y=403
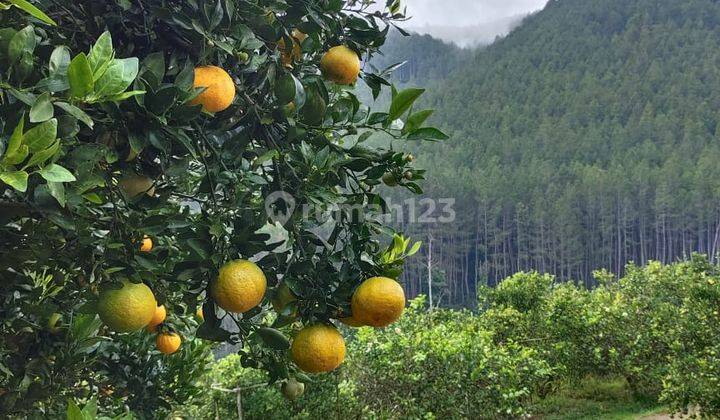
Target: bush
x=326, y=395
x=692, y=377
x=445, y=364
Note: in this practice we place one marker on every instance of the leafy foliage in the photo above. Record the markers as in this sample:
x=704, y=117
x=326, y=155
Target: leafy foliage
x=651, y=337
x=105, y=96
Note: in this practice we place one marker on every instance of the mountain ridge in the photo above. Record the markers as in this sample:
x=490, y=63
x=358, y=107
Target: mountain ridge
x=583, y=140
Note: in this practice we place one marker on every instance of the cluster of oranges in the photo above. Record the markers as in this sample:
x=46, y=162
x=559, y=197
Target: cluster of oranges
x=339, y=64
x=240, y=286
x=133, y=307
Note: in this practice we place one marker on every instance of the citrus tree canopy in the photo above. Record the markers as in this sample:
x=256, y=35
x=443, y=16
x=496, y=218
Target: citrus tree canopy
x=165, y=152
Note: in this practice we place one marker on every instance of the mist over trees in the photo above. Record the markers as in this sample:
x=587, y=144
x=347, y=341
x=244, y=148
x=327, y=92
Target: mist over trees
x=585, y=139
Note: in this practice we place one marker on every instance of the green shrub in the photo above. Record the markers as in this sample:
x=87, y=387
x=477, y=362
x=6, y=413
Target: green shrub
x=327, y=395
x=692, y=377
x=652, y=334
x=443, y=364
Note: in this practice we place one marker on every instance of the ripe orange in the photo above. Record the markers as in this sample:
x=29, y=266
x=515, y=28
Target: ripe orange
x=378, y=302
x=127, y=309
x=239, y=287
x=219, y=91
x=168, y=343
x=318, y=348
x=146, y=245
x=157, y=319
x=340, y=65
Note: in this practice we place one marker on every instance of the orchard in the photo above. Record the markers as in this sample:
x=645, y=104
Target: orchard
x=141, y=143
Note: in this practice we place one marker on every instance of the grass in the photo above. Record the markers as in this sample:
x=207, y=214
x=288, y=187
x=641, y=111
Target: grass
x=596, y=398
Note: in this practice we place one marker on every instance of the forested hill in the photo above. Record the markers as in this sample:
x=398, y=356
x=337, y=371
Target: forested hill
x=585, y=139
x=426, y=59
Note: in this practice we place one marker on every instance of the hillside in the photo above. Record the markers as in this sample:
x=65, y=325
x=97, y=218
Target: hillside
x=426, y=58
x=585, y=139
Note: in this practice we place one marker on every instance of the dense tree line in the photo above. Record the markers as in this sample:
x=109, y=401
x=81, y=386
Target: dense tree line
x=585, y=139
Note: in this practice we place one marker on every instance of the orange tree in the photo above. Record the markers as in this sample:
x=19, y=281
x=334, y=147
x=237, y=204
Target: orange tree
x=148, y=141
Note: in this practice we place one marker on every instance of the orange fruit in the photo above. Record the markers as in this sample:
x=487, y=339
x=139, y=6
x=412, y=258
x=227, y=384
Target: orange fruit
x=127, y=309
x=239, y=286
x=168, y=343
x=146, y=245
x=378, y=302
x=340, y=65
x=157, y=319
x=318, y=348
x=219, y=91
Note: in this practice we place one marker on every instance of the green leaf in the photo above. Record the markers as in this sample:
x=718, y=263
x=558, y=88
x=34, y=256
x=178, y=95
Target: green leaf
x=273, y=338
x=25, y=97
x=153, y=69
x=42, y=110
x=57, y=190
x=285, y=89
x=415, y=248
x=40, y=136
x=73, y=411
x=186, y=76
x=90, y=409
x=17, y=156
x=125, y=95
x=300, y=95
x=33, y=11
x=80, y=76
x=42, y=156
x=77, y=113
x=59, y=61
x=427, y=133
x=100, y=54
x=16, y=138
x=93, y=198
x=15, y=179
x=56, y=173
x=118, y=77
x=403, y=101
x=416, y=120
x=22, y=42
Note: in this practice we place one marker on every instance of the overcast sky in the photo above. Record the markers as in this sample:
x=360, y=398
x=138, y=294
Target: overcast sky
x=466, y=12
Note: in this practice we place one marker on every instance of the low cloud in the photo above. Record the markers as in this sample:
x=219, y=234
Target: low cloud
x=467, y=12
x=468, y=22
